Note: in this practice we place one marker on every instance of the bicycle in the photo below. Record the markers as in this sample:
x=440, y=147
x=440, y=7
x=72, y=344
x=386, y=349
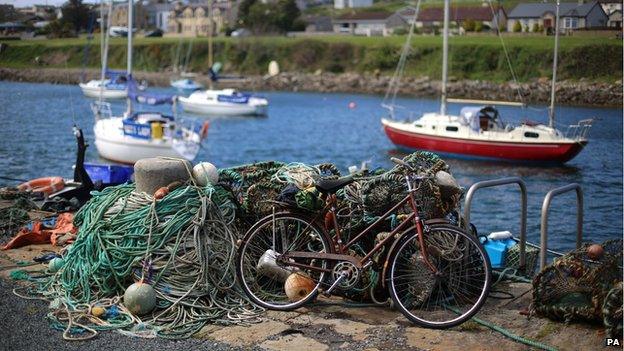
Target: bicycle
x=437, y=274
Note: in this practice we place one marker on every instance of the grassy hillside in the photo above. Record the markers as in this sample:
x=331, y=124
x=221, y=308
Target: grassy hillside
x=472, y=57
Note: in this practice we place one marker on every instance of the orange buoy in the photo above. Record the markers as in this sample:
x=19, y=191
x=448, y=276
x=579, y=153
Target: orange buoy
x=46, y=185
x=298, y=286
x=161, y=192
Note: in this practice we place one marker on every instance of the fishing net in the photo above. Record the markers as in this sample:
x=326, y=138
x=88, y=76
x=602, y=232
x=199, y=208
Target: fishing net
x=14, y=207
x=575, y=287
x=180, y=244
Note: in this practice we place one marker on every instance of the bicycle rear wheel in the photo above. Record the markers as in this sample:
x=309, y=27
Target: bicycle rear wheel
x=455, y=292
x=266, y=277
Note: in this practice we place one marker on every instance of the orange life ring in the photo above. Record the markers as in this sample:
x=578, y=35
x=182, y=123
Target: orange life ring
x=204, y=130
x=46, y=185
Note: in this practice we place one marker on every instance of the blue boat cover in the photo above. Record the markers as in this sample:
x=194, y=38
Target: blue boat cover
x=147, y=98
x=236, y=98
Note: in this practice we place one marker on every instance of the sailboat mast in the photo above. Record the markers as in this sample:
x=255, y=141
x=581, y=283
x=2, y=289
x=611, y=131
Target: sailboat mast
x=551, y=111
x=445, y=57
x=129, y=69
x=102, y=49
x=210, y=24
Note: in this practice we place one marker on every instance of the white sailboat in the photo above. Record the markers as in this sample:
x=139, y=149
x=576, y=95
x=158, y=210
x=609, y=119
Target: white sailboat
x=137, y=135
x=112, y=84
x=479, y=132
x=225, y=102
x=185, y=83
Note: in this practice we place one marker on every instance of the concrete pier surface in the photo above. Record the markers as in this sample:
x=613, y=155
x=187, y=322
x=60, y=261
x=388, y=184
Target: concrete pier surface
x=328, y=324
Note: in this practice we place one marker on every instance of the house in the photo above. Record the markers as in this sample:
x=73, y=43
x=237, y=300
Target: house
x=434, y=16
x=318, y=23
x=119, y=15
x=610, y=6
x=44, y=11
x=572, y=15
x=158, y=15
x=343, y=4
x=368, y=23
x=615, y=19
x=194, y=20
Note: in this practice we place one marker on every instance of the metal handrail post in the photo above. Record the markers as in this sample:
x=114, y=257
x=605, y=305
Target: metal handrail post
x=523, y=214
x=544, y=222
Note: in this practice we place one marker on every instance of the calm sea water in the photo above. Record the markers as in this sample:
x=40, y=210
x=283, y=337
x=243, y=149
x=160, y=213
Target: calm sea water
x=36, y=140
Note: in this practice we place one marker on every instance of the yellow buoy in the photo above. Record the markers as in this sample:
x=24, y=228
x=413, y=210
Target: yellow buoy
x=298, y=286
x=98, y=311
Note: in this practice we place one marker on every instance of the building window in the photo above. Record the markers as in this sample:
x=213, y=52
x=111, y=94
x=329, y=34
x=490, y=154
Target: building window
x=570, y=22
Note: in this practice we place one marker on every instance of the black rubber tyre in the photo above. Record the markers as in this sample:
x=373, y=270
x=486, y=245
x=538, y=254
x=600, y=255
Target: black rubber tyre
x=449, y=298
x=268, y=291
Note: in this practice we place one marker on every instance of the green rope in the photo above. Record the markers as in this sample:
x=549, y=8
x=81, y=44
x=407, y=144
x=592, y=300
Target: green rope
x=514, y=337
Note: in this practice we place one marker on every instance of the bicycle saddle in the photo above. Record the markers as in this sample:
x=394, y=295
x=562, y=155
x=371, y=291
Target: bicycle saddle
x=330, y=186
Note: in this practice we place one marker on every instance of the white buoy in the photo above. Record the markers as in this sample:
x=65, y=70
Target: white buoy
x=204, y=173
x=55, y=264
x=140, y=298
x=273, y=68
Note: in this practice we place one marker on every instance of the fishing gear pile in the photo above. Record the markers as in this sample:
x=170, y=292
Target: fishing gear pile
x=14, y=214
x=583, y=285
x=163, y=264
x=178, y=251
x=258, y=189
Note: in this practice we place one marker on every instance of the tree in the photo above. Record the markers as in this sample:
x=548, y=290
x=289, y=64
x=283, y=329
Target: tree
x=259, y=17
x=478, y=27
x=517, y=27
x=469, y=25
x=76, y=13
x=535, y=27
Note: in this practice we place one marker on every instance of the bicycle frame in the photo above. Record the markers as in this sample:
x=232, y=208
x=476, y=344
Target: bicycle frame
x=330, y=209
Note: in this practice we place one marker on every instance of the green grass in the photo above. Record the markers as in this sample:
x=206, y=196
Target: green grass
x=472, y=57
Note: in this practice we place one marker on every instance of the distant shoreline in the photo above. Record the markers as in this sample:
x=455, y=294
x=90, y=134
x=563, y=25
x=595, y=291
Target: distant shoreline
x=537, y=91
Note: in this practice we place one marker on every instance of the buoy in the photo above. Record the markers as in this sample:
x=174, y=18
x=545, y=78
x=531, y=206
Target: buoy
x=595, y=252
x=352, y=105
x=204, y=173
x=160, y=193
x=55, y=264
x=140, y=298
x=298, y=286
x=98, y=311
x=273, y=68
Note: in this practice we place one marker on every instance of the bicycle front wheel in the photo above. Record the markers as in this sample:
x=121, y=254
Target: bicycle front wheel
x=268, y=276
x=449, y=294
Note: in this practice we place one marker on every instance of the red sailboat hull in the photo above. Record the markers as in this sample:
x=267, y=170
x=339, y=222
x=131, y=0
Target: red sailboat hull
x=494, y=150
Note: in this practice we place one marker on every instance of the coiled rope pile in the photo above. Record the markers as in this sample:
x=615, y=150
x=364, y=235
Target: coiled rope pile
x=181, y=245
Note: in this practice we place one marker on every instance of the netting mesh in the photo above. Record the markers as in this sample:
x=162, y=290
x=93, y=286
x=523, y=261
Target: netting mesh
x=574, y=287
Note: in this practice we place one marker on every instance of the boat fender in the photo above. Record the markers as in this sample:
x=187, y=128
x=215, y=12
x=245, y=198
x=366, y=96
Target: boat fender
x=46, y=185
x=204, y=130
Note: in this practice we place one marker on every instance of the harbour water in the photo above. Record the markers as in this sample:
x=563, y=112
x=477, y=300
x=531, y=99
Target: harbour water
x=36, y=140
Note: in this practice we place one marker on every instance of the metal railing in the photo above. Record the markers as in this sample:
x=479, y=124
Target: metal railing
x=544, y=222
x=523, y=213
x=580, y=130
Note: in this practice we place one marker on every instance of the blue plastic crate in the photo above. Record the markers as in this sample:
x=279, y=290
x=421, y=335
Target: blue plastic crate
x=497, y=250
x=109, y=174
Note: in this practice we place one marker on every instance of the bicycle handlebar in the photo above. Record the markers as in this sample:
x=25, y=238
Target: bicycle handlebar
x=402, y=163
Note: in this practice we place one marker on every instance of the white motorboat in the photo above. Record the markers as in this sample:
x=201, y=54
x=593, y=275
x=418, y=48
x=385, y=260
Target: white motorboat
x=227, y=102
x=136, y=135
x=105, y=89
x=186, y=85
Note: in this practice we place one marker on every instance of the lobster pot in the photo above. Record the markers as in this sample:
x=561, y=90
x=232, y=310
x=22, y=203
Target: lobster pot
x=575, y=288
